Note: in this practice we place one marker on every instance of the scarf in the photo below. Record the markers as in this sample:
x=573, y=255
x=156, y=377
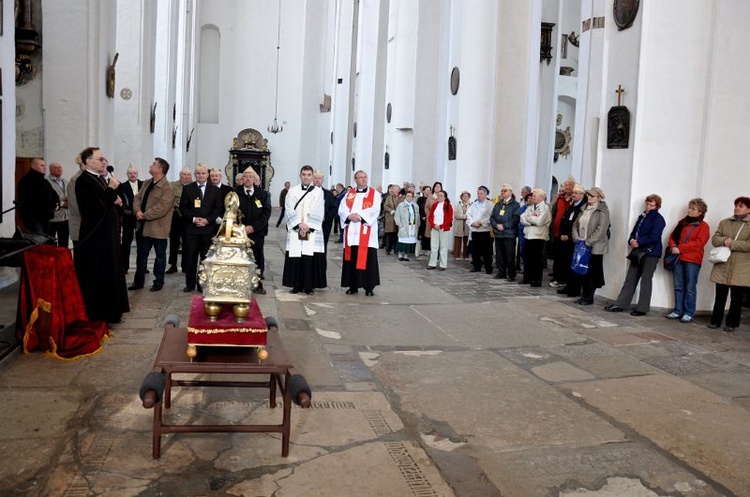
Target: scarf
x=685, y=221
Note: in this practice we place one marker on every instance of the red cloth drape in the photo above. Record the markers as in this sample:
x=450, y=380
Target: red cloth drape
x=51, y=313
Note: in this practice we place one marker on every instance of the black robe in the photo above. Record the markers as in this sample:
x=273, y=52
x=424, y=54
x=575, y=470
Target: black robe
x=97, y=255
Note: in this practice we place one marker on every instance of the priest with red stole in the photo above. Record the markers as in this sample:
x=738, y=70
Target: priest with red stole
x=359, y=212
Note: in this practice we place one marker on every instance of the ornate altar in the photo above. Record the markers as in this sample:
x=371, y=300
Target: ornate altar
x=250, y=149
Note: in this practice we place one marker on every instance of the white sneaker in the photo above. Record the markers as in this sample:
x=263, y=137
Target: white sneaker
x=686, y=319
x=554, y=284
x=672, y=315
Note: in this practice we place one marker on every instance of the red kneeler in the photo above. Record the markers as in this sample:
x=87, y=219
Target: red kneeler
x=51, y=313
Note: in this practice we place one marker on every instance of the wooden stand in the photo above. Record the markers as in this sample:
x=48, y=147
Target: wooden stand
x=171, y=359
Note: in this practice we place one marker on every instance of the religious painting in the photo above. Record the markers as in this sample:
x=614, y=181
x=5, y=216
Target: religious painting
x=618, y=127
x=625, y=12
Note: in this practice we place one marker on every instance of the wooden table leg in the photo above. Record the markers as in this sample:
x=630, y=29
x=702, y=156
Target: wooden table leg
x=156, y=442
x=286, y=428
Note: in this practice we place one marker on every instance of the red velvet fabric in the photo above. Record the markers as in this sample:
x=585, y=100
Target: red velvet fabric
x=226, y=330
x=62, y=327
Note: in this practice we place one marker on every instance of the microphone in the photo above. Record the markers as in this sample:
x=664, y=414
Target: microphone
x=110, y=169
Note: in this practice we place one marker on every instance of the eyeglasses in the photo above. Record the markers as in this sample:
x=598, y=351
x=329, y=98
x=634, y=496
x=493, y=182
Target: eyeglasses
x=504, y=190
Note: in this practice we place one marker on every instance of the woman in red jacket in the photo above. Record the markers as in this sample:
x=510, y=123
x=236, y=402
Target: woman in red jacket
x=440, y=220
x=688, y=239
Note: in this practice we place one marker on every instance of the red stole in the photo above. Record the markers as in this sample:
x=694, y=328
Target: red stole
x=364, y=230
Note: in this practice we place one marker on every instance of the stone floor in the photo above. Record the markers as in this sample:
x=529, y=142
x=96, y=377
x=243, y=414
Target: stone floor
x=446, y=383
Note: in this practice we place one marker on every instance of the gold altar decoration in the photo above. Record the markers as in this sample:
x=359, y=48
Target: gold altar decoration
x=229, y=274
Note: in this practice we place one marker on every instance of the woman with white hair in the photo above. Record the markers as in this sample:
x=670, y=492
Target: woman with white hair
x=536, y=220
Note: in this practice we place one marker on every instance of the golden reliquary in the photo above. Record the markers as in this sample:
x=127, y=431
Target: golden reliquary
x=229, y=274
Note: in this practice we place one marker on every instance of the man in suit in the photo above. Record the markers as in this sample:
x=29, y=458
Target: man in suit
x=330, y=209
x=214, y=175
x=58, y=225
x=177, y=230
x=153, y=206
x=127, y=192
x=200, y=205
x=255, y=205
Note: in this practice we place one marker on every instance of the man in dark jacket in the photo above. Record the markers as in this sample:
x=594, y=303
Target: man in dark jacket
x=330, y=207
x=255, y=205
x=37, y=201
x=200, y=205
x=127, y=192
x=504, y=221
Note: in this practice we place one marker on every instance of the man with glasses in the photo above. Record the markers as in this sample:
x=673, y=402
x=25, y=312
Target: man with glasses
x=97, y=260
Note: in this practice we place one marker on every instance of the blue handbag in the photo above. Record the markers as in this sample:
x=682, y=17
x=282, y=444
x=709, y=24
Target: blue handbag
x=581, y=258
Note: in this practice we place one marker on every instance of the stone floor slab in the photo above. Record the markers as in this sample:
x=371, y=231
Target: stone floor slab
x=698, y=427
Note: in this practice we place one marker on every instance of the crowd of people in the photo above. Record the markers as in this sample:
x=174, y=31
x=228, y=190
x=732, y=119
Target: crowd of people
x=503, y=236
x=506, y=236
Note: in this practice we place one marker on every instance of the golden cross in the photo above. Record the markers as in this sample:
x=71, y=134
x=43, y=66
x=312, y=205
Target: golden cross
x=620, y=90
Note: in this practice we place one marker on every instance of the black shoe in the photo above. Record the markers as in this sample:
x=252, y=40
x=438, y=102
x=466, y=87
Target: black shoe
x=729, y=328
x=188, y=289
x=368, y=293
x=488, y=271
x=260, y=290
x=511, y=278
x=584, y=301
x=351, y=291
x=401, y=259
x=635, y=312
x=156, y=287
x=713, y=326
x=430, y=267
x=199, y=288
x=474, y=270
x=499, y=276
x=387, y=252
x=310, y=292
x=171, y=270
x=536, y=284
x=135, y=287
x=562, y=289
x=295, y=290
x=613, y=308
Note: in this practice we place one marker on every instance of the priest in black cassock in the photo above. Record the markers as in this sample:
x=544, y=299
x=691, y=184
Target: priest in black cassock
x=358, y=212
x=97, y=255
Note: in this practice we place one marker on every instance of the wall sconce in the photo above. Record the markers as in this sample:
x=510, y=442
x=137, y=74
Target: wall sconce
x=545, y=48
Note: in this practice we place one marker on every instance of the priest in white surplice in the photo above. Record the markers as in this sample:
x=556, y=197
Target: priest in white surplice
x=305, y=261
x=359, y=212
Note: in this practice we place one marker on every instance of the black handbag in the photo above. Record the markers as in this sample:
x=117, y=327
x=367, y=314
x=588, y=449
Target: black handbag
x=670, y=259
x=638, y=255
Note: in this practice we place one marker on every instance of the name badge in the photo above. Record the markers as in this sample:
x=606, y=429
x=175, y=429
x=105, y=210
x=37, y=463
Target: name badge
x=502, y=212
x=258, y=204
x=197, y=203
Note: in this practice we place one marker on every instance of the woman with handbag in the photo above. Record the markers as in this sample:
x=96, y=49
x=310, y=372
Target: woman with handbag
x=732, y=276
x=646, y=249
x=592, y=226
x=687, y=243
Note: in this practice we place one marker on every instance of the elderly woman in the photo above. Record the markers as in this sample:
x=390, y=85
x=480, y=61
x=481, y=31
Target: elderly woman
x=688, y=240
x=592, y=226
x=460, y=228
x=440, y=219
x=407, y=220
x=646, y=236
x=536, y=220
x=732, y=276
